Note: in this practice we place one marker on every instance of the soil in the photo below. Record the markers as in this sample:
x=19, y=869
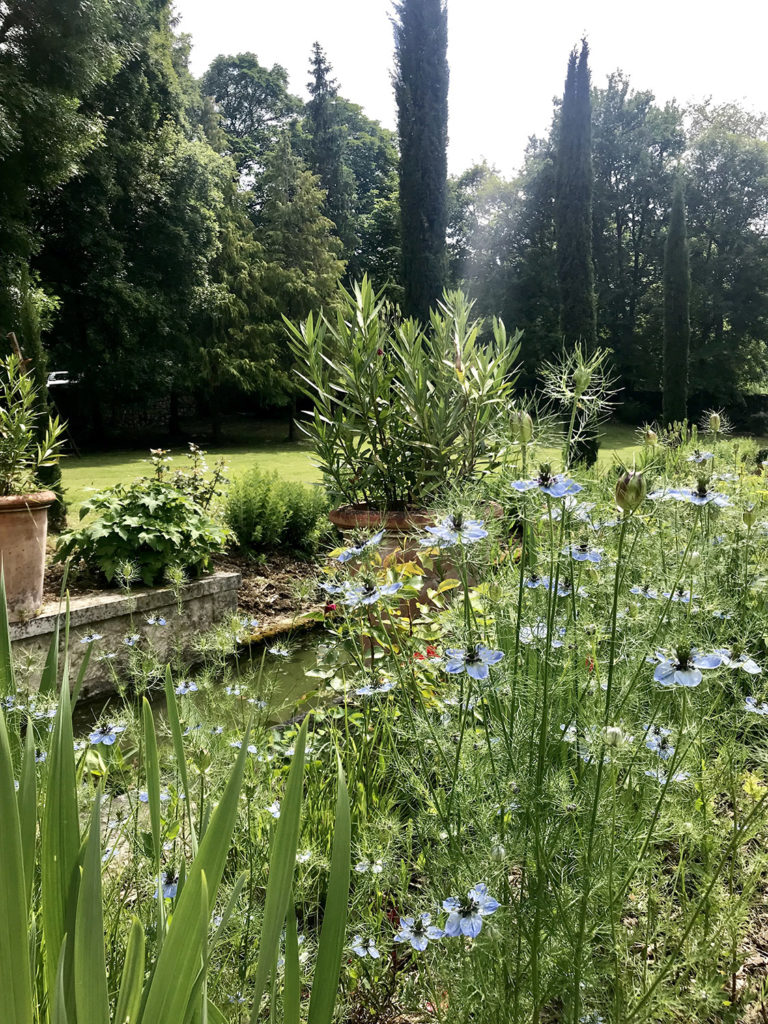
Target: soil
x=271, y=592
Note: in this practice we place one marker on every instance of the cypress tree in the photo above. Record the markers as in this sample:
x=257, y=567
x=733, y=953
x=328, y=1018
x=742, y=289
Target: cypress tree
x=421, y=92
x=573, y=205
x=326, y=157
x=677, y=324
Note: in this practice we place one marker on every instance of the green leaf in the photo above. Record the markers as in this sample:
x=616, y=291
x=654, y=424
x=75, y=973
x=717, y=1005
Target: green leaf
x=59, y=1014
x=331, y=945
x=60, y=843
x=292, y=989
x=90, y=968
x=178, y=749
x=180, y=959
x=132, y=980
x=28, y=811
x=15, y=980
x=152, y=768
x=50, y=677
x=282, y=864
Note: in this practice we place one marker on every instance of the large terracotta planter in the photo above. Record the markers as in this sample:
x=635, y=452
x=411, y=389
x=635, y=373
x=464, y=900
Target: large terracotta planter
x=23, y=535
x=400, y=528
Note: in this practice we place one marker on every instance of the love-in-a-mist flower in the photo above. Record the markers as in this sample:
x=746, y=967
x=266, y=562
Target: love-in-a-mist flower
x=185, y=687
x=455, y=529
x=682, y=667
x=730, y=659
x=170, y=884
x=376, y=689
x=91, y=638
x=661, y=776
x=274, y=808
x=359, y=545
x=700, y=494
x=750, y=704
x=374, y=866
x=554, y=485
x=466, y=915
x=681, y=596
x=646, y=590
x=365, y=947
x=583, y=553
x=538, y=631
x=475, y=661
x=367, y=593
x=107, y=734
x=156, y=620
x=699, y=457
x=418, y=931
x=657, y=740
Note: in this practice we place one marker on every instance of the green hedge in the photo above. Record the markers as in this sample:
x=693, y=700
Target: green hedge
x=266, y=513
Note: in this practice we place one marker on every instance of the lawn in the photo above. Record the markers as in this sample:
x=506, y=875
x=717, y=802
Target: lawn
x=291, y=460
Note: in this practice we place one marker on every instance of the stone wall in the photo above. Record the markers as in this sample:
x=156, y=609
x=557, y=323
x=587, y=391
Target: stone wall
x=116, y=617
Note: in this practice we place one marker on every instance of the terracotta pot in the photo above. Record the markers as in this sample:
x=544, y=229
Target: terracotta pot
x=398, y=527
x=23, y=535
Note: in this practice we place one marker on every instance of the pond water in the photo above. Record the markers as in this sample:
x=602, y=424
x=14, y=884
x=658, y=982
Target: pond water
x=281, y=685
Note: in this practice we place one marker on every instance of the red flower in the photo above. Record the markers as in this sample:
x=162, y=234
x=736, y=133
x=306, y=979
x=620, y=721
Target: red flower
x=330, y=607
x=590, y=664
x=432, y=652
x=418, y=656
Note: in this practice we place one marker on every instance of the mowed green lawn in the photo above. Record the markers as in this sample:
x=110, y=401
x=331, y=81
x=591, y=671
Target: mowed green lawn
x=292, y=461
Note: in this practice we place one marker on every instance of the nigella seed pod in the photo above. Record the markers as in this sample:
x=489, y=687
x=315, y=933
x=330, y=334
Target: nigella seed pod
x=498, y=852
x=650, y=437
x=630, y=491
x=714, y=422
x=582, y=377
x=522, y=426
x=749, y=516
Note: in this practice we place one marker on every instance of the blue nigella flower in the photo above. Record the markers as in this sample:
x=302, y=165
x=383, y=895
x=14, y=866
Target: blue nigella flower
x=472, y=660
x=556, y=486
x=645, y=591
x=742, y=661
x=280, y=650
x=418, y=932
x=699, y=457
x=365, y=947
x=164, y=796
x=188, y=686
x=356, y=549
x=247, y=623
x=682, y=596
x=583, y=553
x=91, y=638
x=656, y=740
x=274, y=808
x=156, y=620
x=466, y=916
x=368, y=593
x=170, y=884
x=700, y=495
x=750, y=704
x=683, y=667
x=375, y=867
x=106, y=735
x=132, y=640
x=661, y=776
x=375, y=689
x=538, y=631
x=455, y=529
x=251, y=748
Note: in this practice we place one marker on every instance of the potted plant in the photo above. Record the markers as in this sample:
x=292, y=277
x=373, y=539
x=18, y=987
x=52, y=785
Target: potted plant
x=23, y=506
x=402, y=415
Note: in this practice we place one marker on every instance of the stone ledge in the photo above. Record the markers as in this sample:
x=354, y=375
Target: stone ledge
x=199, y=605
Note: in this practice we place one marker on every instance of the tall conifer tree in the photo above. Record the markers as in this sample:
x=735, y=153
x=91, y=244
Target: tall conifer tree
x=573, y=205
x=421, y=91
x=677, y=323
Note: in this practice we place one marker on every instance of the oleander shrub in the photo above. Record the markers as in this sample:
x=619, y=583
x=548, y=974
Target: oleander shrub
x=148, y=524
x=266, y=513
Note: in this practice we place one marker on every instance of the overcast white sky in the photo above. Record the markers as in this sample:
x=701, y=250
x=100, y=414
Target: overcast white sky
x=507, y=59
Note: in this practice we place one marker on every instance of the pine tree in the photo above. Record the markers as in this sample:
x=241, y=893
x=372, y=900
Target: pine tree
x=421, y=91
x=327, y=148
x=573, y=206
x=677, y=324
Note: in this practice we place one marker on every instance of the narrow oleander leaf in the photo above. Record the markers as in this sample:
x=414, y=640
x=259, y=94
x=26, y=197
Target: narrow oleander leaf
x=132, y=977
x=60, y=846
x=178, y=749
x=81, y=674
x=292, y=988
x=282, y=864
x=90, y=968
x=15, y=977
x=331, y=945
x=181, y=957
x=28, y=811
